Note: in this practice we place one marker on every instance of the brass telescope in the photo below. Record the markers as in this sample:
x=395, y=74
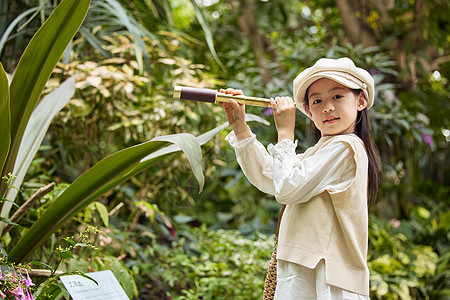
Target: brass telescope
x=213, y=96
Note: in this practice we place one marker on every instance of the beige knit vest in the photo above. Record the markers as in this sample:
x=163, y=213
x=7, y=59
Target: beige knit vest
x=332, y=227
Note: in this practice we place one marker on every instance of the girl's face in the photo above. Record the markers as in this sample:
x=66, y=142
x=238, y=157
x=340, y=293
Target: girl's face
x=333, y=107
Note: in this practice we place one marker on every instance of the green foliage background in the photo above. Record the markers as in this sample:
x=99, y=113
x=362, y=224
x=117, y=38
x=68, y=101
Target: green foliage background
x=128, y=55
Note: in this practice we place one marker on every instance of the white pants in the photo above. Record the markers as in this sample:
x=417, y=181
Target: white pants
x=296, y=282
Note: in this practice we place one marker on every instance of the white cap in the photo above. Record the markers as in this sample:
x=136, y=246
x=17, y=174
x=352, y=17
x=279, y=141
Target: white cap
x=341, y=70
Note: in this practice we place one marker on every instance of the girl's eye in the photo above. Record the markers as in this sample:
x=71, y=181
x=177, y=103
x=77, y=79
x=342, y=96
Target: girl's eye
x=337, y=97
x=317, y=101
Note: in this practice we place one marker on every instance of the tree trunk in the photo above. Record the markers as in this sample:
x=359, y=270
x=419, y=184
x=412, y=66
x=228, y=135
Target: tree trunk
x=354, y=15
x=247, y=23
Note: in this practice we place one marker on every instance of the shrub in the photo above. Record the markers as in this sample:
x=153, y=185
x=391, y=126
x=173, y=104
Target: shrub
x=220, y=264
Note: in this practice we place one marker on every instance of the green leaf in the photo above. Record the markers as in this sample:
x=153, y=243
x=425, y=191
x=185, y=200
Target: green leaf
x=7, y=221
x=69, y=240
x=64, y=254
x=5, y=120
x=77, y=196
x=36, y=65
x=103, y=212
x=106, y=174
x=125, y=278
x=208, y=35
x=49, y=289
x=193, y=153
x=20, y=18
x=41, y=264
x=147, y=161
x=203, y=138
x=35, y=132
x=94, y=42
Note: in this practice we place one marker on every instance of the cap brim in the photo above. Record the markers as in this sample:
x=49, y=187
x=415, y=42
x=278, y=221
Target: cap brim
x=300, y=94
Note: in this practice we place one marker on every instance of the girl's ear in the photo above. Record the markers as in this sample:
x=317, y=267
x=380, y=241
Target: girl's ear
x=306, y=107
x=362, y=101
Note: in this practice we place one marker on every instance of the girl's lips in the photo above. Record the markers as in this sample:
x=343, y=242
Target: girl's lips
x=331, y=120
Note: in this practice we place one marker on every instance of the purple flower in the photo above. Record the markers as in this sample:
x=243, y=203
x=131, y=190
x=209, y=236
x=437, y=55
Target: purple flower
x=28, y=281
x=268, y=112
x=19, y=292
x=428, y=139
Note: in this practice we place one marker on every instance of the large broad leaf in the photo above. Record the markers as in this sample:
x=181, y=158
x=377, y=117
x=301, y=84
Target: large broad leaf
x=78, y=194
x=150, y=159
x=202, y=139
x=36, y=65
x=37, y=126
x=5, y=121
x=104, y=176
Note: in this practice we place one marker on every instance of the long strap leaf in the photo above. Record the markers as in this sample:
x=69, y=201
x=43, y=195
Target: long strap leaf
x=79, y=194
x=158, y=155
x=208, y=35
x=35, y=132
x=36, y=65
x=5, y=121
x=73, y=198
x=100, y=179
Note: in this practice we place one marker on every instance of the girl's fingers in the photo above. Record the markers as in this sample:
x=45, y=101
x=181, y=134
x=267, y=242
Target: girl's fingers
x=231, y=91
x=284, y=102
x=234, y=104
x=273, y=103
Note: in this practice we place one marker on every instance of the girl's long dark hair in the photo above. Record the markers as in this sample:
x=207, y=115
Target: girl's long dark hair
x=363, y=131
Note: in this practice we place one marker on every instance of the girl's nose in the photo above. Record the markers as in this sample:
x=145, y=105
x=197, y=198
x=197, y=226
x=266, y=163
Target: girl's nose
x=329, y=107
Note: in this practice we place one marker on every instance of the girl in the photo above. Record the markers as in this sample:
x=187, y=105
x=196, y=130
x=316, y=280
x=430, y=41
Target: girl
x=327, y=191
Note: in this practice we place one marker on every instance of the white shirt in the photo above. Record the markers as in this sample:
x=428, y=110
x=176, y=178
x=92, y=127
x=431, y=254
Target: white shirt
x=281, y=172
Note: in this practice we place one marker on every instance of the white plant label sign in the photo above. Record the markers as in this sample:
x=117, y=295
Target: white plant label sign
x=81, y=288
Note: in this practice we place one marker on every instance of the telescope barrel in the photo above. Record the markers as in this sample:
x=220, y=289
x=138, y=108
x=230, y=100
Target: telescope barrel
x=212, y=96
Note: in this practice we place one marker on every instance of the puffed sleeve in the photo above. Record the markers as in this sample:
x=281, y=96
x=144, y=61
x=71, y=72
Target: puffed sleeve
x=294, y=178
x=297, y=180
x=255, y=161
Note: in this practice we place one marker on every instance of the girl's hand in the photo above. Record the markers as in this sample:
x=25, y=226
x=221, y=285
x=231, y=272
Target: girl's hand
x=284, y=115
x=235, y=113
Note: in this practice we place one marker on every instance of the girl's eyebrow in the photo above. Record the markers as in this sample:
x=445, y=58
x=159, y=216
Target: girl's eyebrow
x=331, y=90
x=336, y=88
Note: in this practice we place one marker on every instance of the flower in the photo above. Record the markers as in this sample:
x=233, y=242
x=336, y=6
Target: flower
x=19, y=292
x=268, y=112
x=28, y=281
x=104, y=240
x=428, y=139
